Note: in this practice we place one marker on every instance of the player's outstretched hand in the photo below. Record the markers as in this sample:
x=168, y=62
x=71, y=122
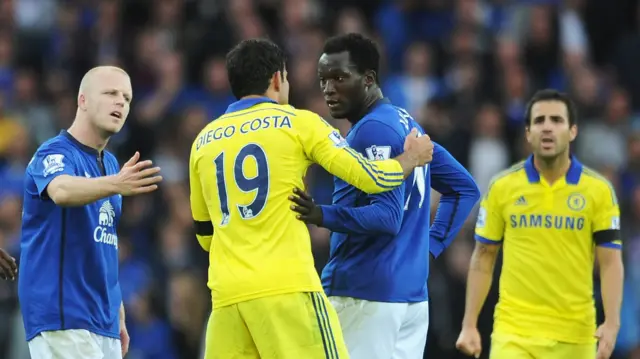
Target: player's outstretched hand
x=137, y=177
x=419, y=148
x=8, y=267
x=606, y=334
x=469, y=342
x=307, y=211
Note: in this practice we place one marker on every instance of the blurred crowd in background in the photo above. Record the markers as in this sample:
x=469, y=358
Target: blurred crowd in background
x=463, y=68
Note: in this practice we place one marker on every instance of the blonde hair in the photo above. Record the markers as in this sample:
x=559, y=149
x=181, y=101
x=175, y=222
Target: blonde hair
x=88, y=77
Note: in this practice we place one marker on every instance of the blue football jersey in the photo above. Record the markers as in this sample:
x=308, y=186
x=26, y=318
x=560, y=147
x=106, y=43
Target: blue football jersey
x=69, y=255
x=380, y=243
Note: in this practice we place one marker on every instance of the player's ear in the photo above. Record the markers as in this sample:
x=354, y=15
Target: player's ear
x=370, y=78
x=573, y=132
x=276, y=80
x=82, y=102
x=527, y=133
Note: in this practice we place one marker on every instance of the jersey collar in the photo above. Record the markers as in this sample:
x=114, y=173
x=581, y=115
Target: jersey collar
x=370, y=109
x=245, y=103
x=85, y=148
x=572, y=177
x=382, y=101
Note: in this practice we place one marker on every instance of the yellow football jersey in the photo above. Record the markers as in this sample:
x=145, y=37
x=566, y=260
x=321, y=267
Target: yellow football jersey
x=547, y=231
x=243, y=167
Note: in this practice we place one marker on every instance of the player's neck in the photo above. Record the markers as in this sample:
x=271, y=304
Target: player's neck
x=267, y=94
x=552, y=169
x=87, y=135
x=374, y=95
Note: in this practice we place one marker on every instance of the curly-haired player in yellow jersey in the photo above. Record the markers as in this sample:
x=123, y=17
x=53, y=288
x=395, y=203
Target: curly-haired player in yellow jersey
x=553, y=216
x=268, y=302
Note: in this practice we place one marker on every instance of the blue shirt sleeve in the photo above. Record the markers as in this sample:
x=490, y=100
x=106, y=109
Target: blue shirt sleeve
x=383, y=212
x=49, y=163
x=460, y=194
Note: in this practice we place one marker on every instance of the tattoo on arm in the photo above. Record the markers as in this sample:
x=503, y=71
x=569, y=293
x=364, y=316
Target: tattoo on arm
x=484, y=257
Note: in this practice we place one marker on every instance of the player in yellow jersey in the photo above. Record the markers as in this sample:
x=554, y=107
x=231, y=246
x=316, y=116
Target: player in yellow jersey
x=553, y=216
x=267, y=298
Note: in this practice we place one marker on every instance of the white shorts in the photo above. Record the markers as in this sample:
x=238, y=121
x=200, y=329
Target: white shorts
x=74, y=344
x=377, y=330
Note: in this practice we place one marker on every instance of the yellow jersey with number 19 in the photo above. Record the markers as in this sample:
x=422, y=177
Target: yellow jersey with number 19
x=242, y=169
x=549, y=232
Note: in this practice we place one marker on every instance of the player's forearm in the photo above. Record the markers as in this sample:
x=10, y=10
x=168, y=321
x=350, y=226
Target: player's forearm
x=460, y=194
x=374, y=219
x=612, y=279
x=479, y=281
x=453, y=210
x=70, y=191
x=407, y=163
x=367, y=176
x=478, y=286
x=122, y=315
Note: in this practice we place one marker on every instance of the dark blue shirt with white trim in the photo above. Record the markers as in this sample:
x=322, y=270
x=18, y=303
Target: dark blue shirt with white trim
x=380, y=243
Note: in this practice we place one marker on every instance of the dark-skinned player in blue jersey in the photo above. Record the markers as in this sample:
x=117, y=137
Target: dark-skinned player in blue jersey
x=376, y=276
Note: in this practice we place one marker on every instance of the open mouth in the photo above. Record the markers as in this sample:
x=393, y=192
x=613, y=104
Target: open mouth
x=332, y=103
x=117, y=114
x=547, y=142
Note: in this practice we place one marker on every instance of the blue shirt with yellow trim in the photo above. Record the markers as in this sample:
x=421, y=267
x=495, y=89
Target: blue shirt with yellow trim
x=549, y=232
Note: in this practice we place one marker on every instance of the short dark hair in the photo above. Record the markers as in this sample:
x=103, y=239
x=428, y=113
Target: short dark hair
x=251, y=64
x=552, y=95
x=363, y=52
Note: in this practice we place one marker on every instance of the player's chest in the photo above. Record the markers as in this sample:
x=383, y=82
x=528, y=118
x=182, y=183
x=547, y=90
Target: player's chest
x=106, y=210
x=565, y=209
x=91, y=166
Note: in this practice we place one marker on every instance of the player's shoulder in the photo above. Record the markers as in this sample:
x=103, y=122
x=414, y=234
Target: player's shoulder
x=303, y=114
x=208, y=127
x=293, y=111
x=508, y=178
x=384, y=119
x=57, y=143
x=594, y=180
x=307, y=118
x=52, y=153
x=387, y=114
x=207, y=130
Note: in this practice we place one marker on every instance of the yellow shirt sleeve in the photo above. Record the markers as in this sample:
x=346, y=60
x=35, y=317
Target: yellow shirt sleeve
x=199, y=210
x=324, y=145
x=490, y=223
x=607, y=213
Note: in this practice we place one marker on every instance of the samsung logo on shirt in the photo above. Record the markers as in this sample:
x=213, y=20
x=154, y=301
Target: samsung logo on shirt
x=546, y=221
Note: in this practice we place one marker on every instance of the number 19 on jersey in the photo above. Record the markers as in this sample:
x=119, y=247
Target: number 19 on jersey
x=259, y=184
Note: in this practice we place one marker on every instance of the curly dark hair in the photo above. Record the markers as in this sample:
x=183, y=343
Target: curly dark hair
x=251, y=64
x=363, y=52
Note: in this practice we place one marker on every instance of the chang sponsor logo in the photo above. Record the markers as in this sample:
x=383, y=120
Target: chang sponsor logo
x=105, y=231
